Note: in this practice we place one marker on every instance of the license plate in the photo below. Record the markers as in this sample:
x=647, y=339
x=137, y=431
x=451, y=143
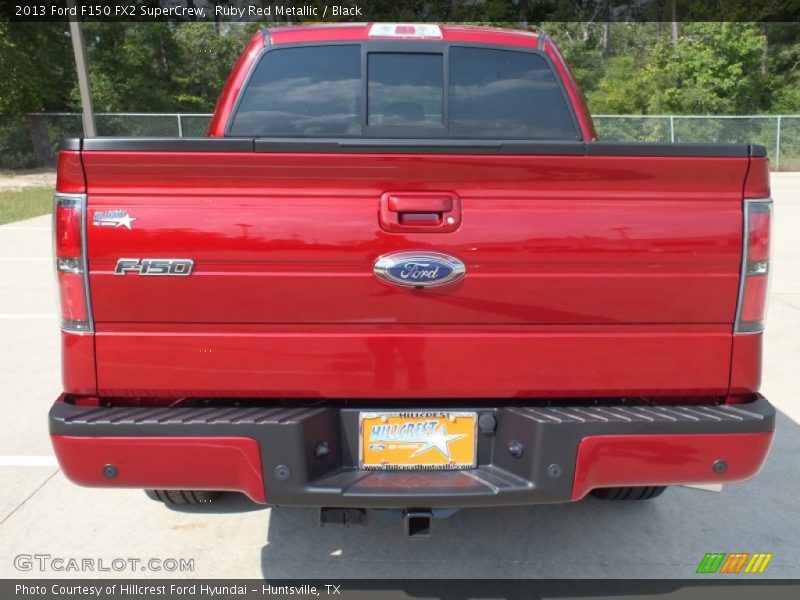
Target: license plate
x=417, y=440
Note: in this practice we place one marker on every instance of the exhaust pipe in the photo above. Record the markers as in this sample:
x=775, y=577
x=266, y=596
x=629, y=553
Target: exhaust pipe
x=418, y=523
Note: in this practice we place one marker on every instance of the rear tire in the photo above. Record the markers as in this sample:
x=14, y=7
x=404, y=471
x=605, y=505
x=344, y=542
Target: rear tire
x=183, y=497
x=628, y=493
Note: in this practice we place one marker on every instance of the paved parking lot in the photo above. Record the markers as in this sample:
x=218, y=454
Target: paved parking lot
x=42, y=513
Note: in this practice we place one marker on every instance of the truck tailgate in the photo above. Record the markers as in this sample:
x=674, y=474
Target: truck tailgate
x=585, y=275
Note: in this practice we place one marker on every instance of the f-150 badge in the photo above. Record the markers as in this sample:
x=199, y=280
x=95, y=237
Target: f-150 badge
x=419, y=269
x=113, y=218
x=179, y=267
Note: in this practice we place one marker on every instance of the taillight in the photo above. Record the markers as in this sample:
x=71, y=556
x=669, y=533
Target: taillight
x=755, y=266
x=69, y=228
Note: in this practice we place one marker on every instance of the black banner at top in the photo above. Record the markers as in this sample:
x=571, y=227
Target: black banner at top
x=304, y=11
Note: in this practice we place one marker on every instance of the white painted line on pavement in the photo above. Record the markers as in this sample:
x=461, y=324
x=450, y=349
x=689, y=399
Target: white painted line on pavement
x=27, y=259
x=28, y=461
x=12, y=228
x=27, y=316
x=706, y=487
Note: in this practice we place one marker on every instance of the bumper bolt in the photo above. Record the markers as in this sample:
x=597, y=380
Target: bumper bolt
x=555, y=471
x=282, y=472
x=515, y=448
x=322, y=450
x=719, y=466
x=110, y=471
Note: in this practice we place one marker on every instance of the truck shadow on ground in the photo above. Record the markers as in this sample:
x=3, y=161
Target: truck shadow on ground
x=661, y=538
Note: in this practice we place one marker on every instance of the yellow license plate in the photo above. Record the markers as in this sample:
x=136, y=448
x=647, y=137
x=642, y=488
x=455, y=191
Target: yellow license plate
x=417, y=440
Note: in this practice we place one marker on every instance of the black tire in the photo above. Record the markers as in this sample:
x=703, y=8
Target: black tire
x=183, y=497
x=628, y=493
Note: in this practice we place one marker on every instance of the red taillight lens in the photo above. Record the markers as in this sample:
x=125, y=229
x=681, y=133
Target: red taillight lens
x=755, y=266
x=68, y=216
x=754, y=300
x=758, y=233
x=73, y=307
x=68, y=227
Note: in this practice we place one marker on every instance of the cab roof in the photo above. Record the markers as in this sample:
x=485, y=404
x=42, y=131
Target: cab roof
x=359, y=32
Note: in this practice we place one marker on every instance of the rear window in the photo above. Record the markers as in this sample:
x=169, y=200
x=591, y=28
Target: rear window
x=319, y=91
x=505, y=94
x=307, y=92
x=405, y=89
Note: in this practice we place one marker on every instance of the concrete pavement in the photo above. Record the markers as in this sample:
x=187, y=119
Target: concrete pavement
x=42, y=513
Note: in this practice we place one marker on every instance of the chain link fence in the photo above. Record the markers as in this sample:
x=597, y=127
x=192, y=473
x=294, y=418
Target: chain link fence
x=780, y=134
x=34, y=141
x=133, y=124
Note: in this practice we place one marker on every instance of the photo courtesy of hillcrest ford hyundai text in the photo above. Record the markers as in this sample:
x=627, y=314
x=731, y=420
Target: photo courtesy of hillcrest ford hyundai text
x=401, y=272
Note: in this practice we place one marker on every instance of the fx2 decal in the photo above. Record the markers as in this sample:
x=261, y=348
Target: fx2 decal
x=155, y=266
x=113, y=218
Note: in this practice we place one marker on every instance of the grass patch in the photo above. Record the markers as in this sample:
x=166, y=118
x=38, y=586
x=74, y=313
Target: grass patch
x=24, y=204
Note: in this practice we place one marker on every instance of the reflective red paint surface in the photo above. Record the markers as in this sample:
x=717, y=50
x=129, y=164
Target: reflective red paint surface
x=625, y=276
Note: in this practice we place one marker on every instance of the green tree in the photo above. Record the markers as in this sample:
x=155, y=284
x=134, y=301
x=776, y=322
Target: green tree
x=38, y=76
x=617, y=87
x=619, y=90
x=715, y=68
x=581, y=46
x=131, y=66
x=205, y=55
x=161, y=67
x=783, y=66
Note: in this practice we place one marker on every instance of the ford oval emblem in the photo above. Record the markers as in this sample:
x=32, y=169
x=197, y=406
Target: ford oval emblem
x=419, y=269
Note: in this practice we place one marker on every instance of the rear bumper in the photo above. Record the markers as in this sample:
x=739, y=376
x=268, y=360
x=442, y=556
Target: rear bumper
x=269, y=453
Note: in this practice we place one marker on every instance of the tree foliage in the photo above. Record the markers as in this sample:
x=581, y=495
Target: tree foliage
x=715, y=68
x=160, y=67
x=712, y=68
x=38, y=72
x=622, y=68
x=783, y=66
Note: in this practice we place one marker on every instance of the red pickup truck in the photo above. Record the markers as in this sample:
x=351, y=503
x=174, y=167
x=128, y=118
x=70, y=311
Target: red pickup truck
x=402, y=273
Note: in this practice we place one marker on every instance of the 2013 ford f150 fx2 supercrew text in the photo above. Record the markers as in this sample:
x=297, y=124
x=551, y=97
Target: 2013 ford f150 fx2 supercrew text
x=402, y=273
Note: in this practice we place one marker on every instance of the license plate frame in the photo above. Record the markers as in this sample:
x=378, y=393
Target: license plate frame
x=435, y=439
